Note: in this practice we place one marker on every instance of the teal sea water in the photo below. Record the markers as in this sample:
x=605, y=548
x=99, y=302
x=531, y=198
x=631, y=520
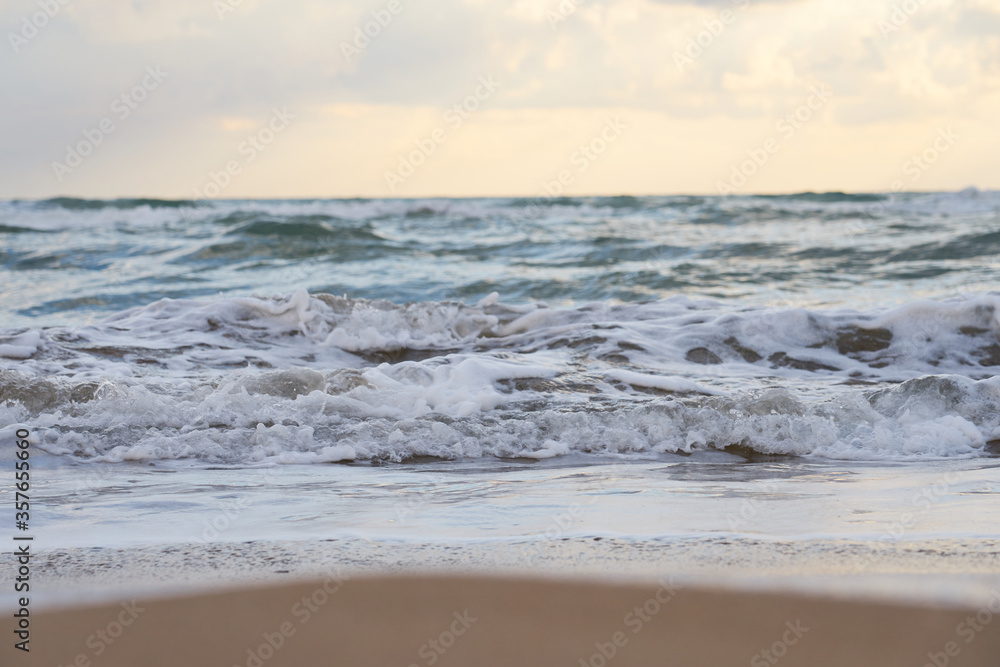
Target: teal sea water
x=777, y=365
x=71, y=261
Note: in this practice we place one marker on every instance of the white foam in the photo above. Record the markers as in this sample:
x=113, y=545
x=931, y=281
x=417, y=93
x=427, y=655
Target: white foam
x=301, y=378
x=665, y=383
x=22, y=346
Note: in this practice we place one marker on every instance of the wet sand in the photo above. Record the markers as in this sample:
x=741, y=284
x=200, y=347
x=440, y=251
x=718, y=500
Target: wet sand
x=605, y=602
x=486, y=621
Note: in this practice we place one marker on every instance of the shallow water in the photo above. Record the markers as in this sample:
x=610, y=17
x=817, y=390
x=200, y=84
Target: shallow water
x=704, y=496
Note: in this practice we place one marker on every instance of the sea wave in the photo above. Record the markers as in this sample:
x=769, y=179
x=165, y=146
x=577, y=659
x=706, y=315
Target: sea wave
x=301, y=378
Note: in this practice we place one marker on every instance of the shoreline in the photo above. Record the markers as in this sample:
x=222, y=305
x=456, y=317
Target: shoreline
x=921, y=571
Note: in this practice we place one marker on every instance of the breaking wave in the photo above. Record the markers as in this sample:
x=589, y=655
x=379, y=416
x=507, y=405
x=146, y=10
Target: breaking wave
x=300, y=378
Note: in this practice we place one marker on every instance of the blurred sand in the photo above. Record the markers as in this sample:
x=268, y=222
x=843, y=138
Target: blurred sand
x=485, y=621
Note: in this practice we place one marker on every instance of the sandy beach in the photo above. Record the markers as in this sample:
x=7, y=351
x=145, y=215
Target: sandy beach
x=567, y=602
x=486, y=621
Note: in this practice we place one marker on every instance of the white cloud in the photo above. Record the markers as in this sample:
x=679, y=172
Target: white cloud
x=943, y=63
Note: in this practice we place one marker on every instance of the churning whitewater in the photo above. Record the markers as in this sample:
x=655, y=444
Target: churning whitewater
x=301, y=378
x=625, y=328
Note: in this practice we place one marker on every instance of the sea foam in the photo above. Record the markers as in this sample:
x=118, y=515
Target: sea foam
x=319, y=378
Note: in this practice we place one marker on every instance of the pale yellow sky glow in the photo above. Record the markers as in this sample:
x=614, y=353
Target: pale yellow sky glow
x=260, y=98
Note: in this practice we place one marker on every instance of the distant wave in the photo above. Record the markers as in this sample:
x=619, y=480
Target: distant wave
x=74, y=204
x=968, y=200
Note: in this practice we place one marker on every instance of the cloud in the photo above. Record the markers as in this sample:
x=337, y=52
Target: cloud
x=941, y=62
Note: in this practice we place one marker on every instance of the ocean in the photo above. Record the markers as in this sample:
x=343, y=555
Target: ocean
x=813, y=373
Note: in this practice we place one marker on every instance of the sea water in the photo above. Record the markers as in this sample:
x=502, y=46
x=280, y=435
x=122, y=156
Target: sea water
x=814, y=366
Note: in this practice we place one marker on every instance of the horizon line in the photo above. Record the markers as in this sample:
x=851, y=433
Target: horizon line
x=533, y=197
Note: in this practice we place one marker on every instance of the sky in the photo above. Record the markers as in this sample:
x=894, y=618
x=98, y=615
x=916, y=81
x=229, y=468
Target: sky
x=398, y=98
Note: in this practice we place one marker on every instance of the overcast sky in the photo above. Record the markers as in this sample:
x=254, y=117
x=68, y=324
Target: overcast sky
x=613, y=97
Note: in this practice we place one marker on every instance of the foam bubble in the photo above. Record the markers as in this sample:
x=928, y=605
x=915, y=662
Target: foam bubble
x=317, y=378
